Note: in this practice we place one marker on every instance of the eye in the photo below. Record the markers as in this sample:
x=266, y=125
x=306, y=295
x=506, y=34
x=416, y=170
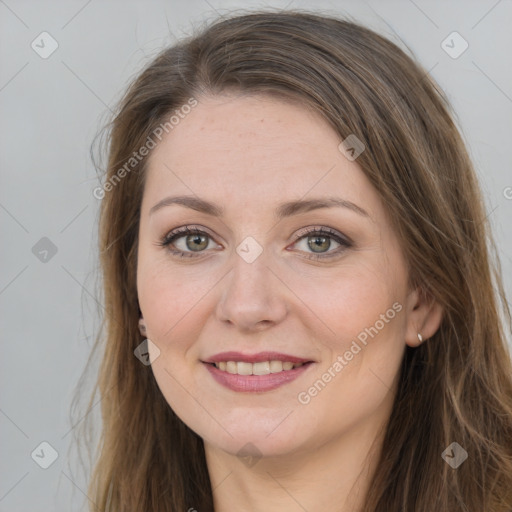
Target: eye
x=194, y=240
x=319, y=240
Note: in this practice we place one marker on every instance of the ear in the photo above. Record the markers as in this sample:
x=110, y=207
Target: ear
x=142, y=326
x=424, y=315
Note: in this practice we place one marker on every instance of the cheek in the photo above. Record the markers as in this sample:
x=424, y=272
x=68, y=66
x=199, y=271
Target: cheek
x=171, y=299
x=361, y=309
x=362, y=354
x=349, y=300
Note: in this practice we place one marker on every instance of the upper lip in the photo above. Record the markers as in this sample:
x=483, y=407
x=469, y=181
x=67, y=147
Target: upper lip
x=254, y=358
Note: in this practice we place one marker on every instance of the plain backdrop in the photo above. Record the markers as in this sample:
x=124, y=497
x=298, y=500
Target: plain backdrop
x=52, y=106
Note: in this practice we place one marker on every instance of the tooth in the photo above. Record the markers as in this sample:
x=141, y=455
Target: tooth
x=231, y=367
x=244, y=368
x=276, y=366
x=262, y=368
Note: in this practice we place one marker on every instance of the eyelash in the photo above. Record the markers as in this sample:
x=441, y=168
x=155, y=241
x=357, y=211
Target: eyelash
x=345, y=243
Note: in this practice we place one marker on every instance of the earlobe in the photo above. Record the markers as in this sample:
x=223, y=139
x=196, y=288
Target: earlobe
x=142, y=326
x=424, y=316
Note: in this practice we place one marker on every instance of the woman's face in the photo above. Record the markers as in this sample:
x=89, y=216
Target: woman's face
x=270, y=280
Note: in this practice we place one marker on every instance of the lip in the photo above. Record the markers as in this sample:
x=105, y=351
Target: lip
x=256, y=383
x=255, y=358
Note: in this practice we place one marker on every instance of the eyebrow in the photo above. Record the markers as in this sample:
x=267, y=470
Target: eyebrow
x=286, y=209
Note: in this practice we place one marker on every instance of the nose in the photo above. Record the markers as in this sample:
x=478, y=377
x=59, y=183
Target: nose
x=253, y=298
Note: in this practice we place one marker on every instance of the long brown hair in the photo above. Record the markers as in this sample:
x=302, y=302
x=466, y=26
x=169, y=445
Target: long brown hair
x=455, y=387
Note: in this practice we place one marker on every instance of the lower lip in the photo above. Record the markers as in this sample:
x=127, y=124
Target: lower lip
x=255, y=383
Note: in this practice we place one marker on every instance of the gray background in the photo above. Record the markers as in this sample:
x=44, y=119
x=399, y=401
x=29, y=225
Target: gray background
x=50, y=111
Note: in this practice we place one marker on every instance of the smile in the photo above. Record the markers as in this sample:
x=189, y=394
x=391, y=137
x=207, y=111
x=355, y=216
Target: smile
x=259, y=372
x=261, y=368
x=244, y=376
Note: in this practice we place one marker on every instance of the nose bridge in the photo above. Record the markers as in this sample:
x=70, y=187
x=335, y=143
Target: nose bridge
x=251, y=293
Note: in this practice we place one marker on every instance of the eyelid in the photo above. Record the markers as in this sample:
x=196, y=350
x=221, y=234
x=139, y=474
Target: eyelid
x=323, y=229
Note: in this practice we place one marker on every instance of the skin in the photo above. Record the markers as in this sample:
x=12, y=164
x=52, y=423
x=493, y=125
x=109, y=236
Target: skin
x=249, y=154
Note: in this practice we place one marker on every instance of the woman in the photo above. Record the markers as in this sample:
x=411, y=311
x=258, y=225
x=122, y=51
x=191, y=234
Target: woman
x=299, y=301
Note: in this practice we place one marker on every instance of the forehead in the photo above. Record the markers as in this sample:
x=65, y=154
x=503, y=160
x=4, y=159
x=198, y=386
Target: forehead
x=253, y=151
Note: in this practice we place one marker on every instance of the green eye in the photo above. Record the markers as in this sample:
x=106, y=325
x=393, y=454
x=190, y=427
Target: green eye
x=195, y=241
x=319, y=240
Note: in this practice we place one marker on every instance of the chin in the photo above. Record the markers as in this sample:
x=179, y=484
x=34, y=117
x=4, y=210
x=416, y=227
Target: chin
x=258, y=438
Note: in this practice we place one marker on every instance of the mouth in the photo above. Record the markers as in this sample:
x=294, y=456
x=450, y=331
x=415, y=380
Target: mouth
x=257, y=373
